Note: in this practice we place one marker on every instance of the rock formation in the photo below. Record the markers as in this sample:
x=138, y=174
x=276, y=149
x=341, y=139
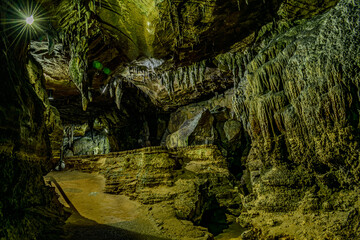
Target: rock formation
x=248, y=110
x=30, y=135
x=188, y=185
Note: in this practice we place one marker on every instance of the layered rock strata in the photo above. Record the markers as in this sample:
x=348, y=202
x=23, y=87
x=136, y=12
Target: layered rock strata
x=182, y=187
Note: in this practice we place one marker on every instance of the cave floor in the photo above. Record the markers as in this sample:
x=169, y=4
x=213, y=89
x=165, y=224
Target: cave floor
x=97, y=215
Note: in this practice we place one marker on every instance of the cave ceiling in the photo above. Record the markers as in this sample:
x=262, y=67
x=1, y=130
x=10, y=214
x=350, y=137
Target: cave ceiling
x=96, y=49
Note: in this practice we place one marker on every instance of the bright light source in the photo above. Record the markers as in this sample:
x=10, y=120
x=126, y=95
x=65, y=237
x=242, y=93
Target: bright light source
x=30, y=20
x=20, y=24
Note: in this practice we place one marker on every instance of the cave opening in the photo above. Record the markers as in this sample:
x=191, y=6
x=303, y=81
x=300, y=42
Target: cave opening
x=214, y=218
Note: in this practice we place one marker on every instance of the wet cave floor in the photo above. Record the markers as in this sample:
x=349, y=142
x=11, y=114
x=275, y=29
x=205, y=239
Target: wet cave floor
x=98, y=216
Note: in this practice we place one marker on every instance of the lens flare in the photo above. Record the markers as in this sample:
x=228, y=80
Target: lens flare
x=23, y=20
x=30, y=20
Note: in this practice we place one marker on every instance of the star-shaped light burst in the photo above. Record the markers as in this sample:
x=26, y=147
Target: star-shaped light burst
x=30, y=20
x=24, y=19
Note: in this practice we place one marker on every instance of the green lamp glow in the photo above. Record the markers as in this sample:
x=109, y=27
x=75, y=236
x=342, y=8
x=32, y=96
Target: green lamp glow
x=97, y=65
x=107, y=71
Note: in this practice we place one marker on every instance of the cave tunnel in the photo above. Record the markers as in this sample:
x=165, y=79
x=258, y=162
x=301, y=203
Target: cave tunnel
x=178, y=119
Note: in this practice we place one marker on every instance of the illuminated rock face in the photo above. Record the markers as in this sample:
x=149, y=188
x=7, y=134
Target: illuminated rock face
x=30, y=135
x=188, y=185
x=274, y=84
x=143, y=40
x=299, y=102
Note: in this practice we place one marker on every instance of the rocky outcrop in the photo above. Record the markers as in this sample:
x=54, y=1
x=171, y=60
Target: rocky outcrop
x=195, y=131
x=28, y=209
x=52, y=116
x=85, y=140
x=298, y=100
x=219, y=126
x=160, y=48
x=189, y=185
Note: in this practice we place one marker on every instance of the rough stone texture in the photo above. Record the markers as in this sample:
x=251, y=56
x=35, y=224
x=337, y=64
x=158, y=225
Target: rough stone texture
x=99, y=144
x=51, y=114
x=188, y=184
x=299, y=102
x=55, y=70
x=232, y=129
x=83, y=140
x=161, y=47
x=295, y=72
x=28, y=209
x=195, y=131
x=219, y=109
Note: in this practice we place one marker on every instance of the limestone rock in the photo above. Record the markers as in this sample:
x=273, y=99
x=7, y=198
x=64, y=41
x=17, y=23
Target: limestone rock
x=28, y=208
x=189, y=201
x=80, y=140
x=191, y=183
x=166, y=48
x=198, y=130
x=51, y=114
x=294, y=101
x=232, y=129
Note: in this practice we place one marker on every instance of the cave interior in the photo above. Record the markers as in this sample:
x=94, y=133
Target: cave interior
x=180, y=119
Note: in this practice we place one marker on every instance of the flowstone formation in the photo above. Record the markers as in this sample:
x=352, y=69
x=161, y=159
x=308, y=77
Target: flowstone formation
x=85, y=140
x=238, y=111
x=299, y=102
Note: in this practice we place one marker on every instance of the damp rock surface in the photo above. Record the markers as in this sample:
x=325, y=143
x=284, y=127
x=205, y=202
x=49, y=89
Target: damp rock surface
x=100, y=215
x=273, y=86
x=180, y=187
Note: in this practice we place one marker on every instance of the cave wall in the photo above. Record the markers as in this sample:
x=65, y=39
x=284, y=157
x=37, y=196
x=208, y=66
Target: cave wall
x=211, y=121
x=291, y=127
x=296, y=95
x=51, y=114
x=85, y=140
x=28, y=208
x=299, y=101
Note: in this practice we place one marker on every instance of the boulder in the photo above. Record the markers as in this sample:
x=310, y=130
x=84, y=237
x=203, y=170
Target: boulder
x=195, y=131
x=232, y=129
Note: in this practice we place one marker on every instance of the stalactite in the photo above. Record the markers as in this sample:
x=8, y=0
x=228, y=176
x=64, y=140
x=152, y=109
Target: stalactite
x=84, y=102
x=71, y=141
x=90, y=96
x=185, y=78
x=75, y=35
x=191, y=76
x=78, y=8
x=181, y=77
x=202, y=69
x=195, y=72
x=118, y=94
x=87, y=17
x=111, y=91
